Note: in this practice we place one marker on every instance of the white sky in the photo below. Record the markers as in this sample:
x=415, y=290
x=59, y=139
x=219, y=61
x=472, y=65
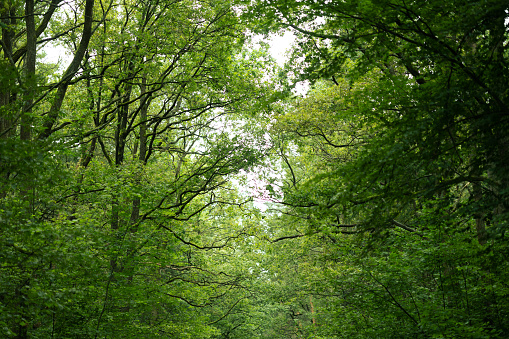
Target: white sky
x=279, y=46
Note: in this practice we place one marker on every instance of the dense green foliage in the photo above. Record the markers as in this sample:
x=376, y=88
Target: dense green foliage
x=125, y=208
x=396, y=182
x=118, y=217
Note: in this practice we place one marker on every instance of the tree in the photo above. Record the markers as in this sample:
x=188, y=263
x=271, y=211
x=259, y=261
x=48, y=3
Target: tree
x=427, y=61
x=402, y=144
x=113, y=206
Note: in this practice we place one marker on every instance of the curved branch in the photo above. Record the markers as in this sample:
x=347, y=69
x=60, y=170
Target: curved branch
x=407, y=228
x=227, y=313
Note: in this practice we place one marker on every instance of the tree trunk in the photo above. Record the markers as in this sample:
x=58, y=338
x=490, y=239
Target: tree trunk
x=70, y=72
x=8, y=16
x=29, y=72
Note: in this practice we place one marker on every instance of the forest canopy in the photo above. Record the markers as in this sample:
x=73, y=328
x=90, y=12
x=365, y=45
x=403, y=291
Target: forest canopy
x=128, y=175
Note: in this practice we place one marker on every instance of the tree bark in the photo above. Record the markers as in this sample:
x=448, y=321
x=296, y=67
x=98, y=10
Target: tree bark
x=29, y=72
x=8, y=16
